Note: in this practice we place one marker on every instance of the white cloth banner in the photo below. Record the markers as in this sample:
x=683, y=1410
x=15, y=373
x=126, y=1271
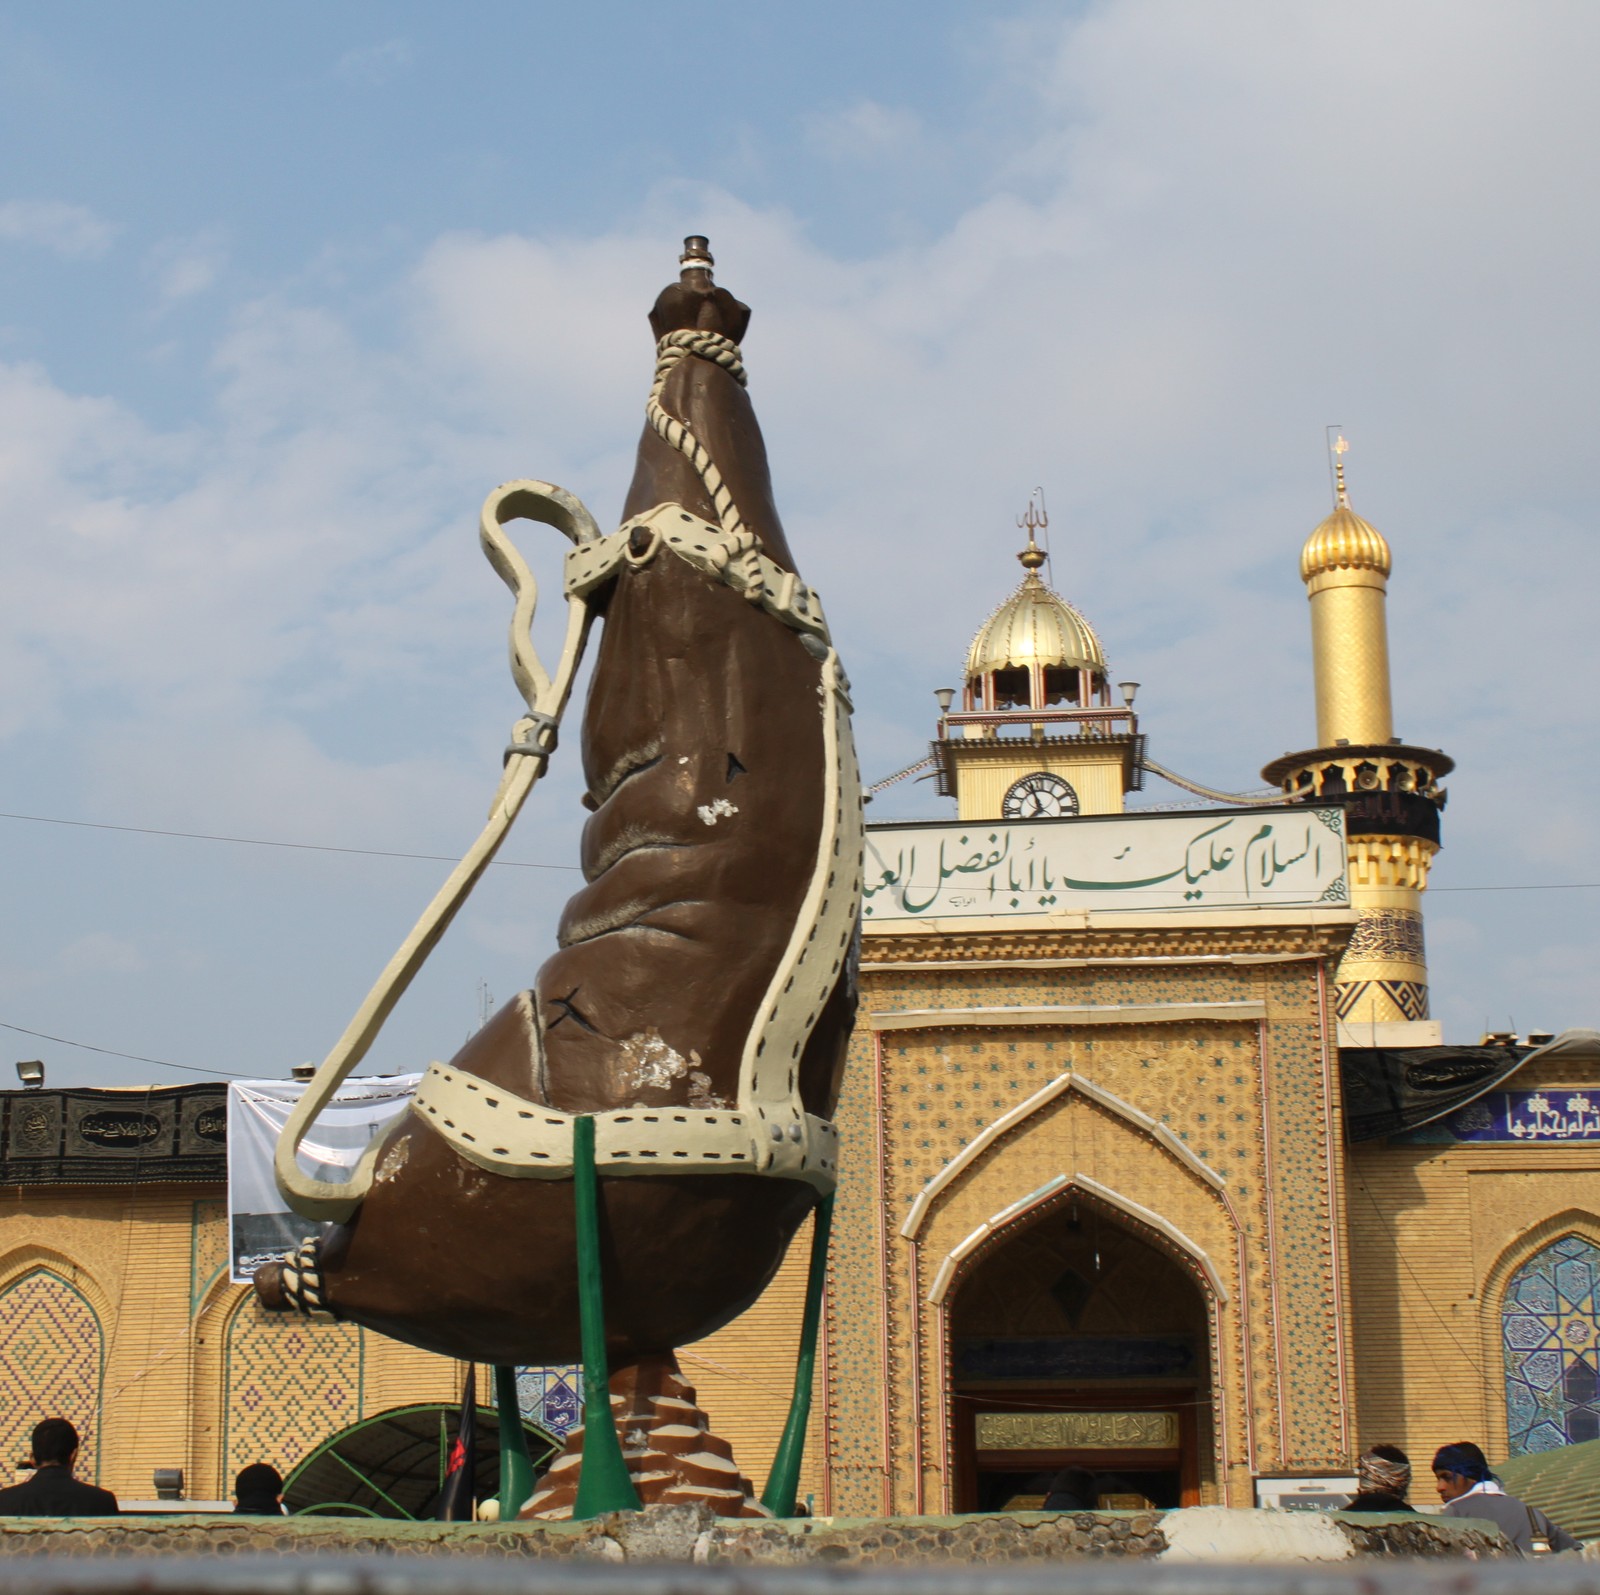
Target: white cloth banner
x=261, y=1225
x=1284, y=857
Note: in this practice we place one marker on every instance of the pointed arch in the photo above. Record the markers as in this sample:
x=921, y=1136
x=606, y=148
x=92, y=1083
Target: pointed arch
x=287, y=1383
x=1069, y=1081
x=30, y=1257
x=1191, y=1258
x=213, y=1314
x=52, y=1353
x=993, y=1231
x=1541, y=1323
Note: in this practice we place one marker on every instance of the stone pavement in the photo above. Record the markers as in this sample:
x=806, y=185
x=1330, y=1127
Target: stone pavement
x=685, y=1534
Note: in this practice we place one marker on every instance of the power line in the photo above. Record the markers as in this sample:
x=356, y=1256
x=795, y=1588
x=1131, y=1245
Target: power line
x=511, y=863
x=1540, y=886
x=257, y=841
x=111, y=1052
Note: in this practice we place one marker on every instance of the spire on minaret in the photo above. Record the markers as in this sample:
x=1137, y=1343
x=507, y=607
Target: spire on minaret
x=1341, y=447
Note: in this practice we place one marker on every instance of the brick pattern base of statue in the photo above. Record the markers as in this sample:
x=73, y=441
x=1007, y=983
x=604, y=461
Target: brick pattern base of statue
x=672, y=1456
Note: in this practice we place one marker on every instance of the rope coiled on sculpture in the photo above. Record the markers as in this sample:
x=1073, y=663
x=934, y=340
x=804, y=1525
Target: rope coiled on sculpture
x=671, y=352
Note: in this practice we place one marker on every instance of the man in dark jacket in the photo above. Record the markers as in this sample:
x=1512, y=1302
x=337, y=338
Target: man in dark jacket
x=1469, y=1489
x=258, y=1490
x=52, y=1491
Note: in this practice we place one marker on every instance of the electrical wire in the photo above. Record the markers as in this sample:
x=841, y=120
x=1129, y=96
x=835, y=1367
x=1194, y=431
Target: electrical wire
x=111, y=1052
x=1398, y=1252
x=513, y=863
x=257, y=841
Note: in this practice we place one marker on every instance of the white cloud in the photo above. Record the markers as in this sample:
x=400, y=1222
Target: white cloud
x=1212, y=234
x=375, y=64
x=72, y=231
x=100, y=953
x=184, y=267
x=866, y=131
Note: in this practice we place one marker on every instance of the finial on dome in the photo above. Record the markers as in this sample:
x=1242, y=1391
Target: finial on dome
x=1034, y=519
x=1341, y=447
x=1343, y=542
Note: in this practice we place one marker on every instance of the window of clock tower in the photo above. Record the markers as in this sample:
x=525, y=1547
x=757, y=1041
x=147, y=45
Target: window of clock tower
x=1060, y=685
x=1011, y=689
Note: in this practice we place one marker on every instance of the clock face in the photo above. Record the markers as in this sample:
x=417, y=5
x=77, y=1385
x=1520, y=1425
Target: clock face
x=1040, y=796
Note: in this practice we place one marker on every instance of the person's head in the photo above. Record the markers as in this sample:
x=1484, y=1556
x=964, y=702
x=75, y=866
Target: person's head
x=1079, y=1483
x=1386, y=1468
x=260, y=1484
x=1457, y=1468
x=54, y=1443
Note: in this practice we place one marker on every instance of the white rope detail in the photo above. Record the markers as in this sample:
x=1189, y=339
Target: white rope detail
x=671, y=352
x=534, y=738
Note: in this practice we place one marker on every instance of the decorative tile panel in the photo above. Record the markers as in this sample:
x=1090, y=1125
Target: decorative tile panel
x=51, y=1366
x=208, y=1249
x=290, y=1383
x=552, y=1398
x=1550, y=1328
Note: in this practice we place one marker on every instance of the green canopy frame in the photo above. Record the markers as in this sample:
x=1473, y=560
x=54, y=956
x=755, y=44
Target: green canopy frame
x=392, y=1465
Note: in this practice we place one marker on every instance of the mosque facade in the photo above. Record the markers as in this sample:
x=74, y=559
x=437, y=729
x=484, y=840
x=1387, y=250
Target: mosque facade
x=1158, y=1166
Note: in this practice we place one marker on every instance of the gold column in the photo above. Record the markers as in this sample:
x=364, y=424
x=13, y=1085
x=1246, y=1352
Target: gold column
x=1383, y=977
x=1350, y=653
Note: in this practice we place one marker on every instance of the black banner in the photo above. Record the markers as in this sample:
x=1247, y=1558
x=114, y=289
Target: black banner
x=89, y=1137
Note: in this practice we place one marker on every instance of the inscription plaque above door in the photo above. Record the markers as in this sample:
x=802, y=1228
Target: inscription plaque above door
x=1077, y=1431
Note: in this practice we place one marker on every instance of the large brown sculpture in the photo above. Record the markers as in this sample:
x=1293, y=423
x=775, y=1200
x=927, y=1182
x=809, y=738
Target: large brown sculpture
x=703, y=991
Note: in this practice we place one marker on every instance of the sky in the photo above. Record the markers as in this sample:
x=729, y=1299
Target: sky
x=284, y=292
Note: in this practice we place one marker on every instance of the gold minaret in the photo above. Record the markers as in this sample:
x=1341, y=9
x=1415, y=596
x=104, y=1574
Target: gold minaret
x=1388, y=789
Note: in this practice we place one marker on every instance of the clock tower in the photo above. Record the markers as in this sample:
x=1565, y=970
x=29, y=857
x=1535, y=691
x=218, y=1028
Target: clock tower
x=1037, y=736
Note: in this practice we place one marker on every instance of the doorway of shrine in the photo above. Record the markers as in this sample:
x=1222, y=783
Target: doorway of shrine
x=1080, y=1371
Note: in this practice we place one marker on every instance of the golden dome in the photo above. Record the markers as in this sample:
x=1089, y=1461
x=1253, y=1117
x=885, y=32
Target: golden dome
x=1034, y=626
x=1344, y=542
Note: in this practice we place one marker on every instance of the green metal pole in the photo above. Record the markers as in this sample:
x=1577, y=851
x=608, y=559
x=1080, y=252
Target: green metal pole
x=784, y=1480
x=516, y=1466
x=604, y=1484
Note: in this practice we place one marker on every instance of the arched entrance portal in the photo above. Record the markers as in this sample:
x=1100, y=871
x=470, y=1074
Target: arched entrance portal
x=1079, y=1343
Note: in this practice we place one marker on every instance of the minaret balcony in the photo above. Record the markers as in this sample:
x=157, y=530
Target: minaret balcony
x=1076, y=724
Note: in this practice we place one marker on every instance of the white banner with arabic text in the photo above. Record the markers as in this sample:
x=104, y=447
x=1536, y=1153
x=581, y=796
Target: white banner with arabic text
x=1255, y=858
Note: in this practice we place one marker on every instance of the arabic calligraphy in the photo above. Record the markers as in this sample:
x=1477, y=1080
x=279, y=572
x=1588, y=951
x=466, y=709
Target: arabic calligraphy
x=1136, y=861
x=1555, y=1113
x=111, y=1129
x=1076, y=1431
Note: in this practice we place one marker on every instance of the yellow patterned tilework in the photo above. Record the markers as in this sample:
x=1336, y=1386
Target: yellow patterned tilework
x=1241, y=1107
x=290, y=1382
x=51, y=1356
x=209, y=1249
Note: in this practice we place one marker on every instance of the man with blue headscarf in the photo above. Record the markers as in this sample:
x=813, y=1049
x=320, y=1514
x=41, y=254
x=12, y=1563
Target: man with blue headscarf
x=1469, y=1489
